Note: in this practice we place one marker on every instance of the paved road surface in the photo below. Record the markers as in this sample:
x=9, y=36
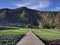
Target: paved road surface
x=30, y=39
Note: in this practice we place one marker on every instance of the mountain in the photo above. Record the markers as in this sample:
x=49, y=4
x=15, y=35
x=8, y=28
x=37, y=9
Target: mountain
x=25, y=17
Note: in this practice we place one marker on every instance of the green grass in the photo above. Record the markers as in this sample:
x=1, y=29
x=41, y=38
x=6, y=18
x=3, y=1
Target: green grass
x=47, y=34
x=10, y=37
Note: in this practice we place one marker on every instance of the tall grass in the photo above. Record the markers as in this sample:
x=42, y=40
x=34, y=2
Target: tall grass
x=47, y=34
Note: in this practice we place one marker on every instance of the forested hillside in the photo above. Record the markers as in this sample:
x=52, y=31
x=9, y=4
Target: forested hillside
x=25, y=17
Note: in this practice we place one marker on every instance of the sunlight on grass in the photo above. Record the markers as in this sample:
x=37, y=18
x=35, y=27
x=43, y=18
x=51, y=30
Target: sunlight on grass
x=10, y=37
x=47, y=34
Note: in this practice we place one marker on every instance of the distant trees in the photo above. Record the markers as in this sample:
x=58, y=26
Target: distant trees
x=29, y=18
x=50, y=19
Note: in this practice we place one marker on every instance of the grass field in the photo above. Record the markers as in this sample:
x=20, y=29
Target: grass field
x=47, y=34
x=11, y=36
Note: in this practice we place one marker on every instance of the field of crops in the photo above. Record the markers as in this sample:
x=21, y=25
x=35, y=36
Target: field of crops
x=47, y=34
x=11, y=36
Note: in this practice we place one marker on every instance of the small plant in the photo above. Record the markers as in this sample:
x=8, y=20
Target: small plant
x=10, y=37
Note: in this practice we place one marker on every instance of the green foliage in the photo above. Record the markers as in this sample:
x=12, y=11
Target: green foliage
x=10, y=37
x=24, y=16
x=47, y=34
x=50, y=19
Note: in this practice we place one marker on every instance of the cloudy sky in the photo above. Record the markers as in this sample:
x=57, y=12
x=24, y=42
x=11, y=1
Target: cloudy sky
x=44, y=5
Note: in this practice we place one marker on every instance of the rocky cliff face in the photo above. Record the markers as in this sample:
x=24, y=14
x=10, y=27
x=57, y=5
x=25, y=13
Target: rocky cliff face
x=29, y=18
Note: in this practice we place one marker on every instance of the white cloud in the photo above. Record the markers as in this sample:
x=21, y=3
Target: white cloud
x=45, y=3
x=57, y=8
x=23, y=3
x=20, y=5
x=41, y=4
x=34, y=4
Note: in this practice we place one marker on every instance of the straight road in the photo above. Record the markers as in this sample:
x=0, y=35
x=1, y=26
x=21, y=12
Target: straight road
x=30, y=39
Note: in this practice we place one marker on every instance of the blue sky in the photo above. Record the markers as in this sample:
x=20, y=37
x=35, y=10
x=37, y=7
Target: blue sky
x=44, y=5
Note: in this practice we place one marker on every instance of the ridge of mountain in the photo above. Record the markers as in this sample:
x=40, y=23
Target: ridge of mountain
x=26, y=17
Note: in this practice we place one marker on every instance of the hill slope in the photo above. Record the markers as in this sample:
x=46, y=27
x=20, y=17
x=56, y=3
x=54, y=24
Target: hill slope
x=29, y=18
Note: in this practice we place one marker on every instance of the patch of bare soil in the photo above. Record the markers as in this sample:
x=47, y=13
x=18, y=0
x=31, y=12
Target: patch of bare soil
x=53, y=42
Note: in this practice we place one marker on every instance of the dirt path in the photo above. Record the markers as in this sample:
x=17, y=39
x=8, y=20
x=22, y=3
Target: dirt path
x=30, y=39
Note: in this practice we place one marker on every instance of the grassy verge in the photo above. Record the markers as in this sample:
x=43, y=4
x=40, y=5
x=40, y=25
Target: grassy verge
x=10, y=37
x=47, y=34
